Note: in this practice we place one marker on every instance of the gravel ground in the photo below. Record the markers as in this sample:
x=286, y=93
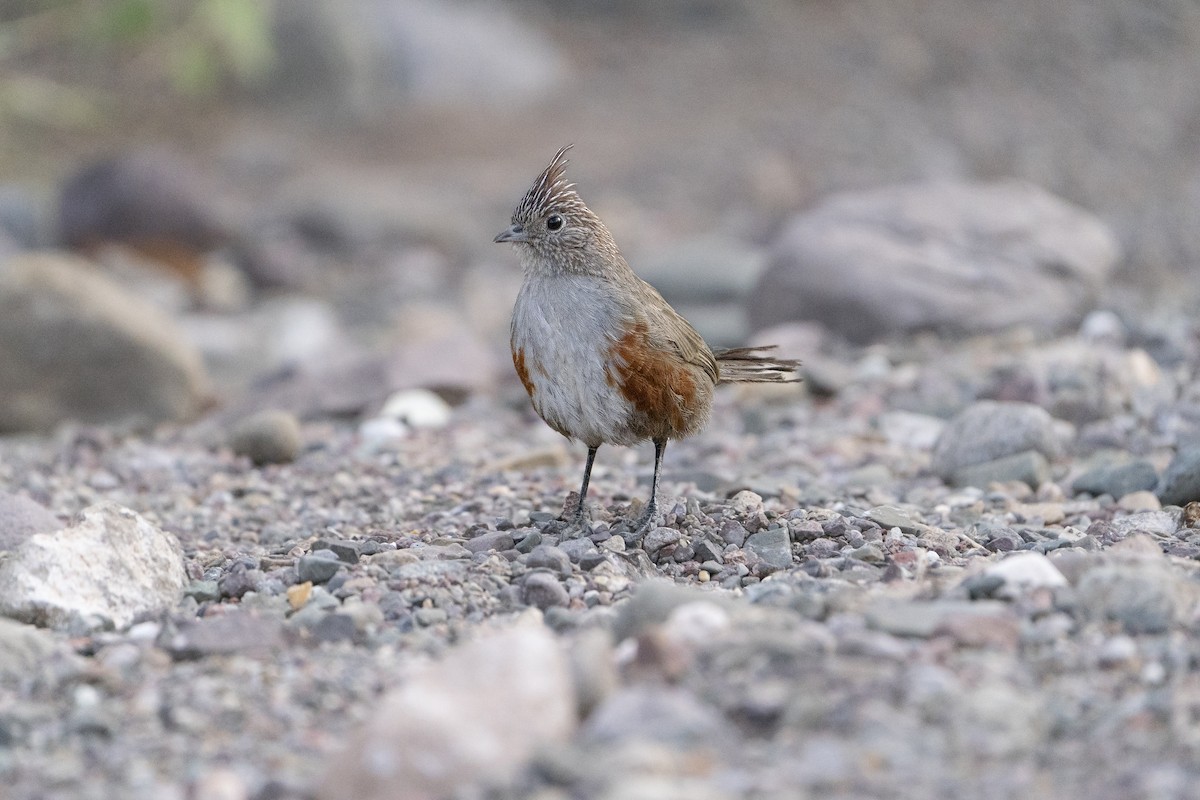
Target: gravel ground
x=819, y=613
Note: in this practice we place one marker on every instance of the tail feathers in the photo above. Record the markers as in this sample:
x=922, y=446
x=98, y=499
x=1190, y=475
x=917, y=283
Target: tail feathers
x=750, y=365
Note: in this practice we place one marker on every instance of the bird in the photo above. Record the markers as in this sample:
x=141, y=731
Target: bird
x=603, y=357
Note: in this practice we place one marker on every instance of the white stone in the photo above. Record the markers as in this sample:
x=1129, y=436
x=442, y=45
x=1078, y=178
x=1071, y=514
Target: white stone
x=107, y=568
x=417, y=408
x=1025, y=571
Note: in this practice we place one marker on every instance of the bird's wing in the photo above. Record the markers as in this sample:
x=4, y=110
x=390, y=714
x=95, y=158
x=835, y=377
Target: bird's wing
x=671, y=331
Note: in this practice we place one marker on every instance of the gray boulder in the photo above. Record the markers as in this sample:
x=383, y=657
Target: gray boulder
x=989, y=431
x=953, y=257
x=106, y=569
x=74, y=345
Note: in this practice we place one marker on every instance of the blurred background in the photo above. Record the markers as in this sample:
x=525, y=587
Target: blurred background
x=292, y=202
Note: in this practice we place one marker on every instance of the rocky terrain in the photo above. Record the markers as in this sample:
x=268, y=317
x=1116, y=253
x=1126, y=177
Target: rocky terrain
x=278, y=523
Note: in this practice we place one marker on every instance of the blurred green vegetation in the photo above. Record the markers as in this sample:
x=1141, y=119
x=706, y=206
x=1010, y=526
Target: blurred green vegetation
x=63, y=62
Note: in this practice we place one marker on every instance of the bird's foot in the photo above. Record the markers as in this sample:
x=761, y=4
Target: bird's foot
x=577, y=517
x=647, y=519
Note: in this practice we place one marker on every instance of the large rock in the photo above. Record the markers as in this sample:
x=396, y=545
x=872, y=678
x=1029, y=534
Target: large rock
x=955, y=257
x=475, y=716
x=74, y=345
x=366, y=56
x=153, y=201
x=988, y=432
x=103, y=571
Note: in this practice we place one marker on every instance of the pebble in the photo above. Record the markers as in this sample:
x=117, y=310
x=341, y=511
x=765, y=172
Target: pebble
x=543, y=590
x=1028, y=467
x=658, y=538
x=773, y=546
x=479, y=712
x=1139, y=501
x=925, y=618
x=1117, y=480
x=1142, y=597
x=491, y=540
x=1023, y=572
x=871, y=553
x=417, y=408
x=268, y=437
x=746, y=503
x=1180, y=482
x=21, y=517
x=318, y=567
x=734, y=533
x=234, y=632
x=203, y=591
x=988, y=432
x=888, y=517
x=558, y=559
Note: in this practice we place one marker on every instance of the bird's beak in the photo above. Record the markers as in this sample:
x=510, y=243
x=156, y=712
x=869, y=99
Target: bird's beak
x=513, y=233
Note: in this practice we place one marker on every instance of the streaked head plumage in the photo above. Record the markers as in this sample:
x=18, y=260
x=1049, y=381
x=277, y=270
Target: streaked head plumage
x=556, y=231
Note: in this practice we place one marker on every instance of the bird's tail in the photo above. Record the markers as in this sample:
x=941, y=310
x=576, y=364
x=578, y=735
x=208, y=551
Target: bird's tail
x=751, y=365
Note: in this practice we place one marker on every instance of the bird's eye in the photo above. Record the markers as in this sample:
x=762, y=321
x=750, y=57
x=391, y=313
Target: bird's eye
x=554, y=222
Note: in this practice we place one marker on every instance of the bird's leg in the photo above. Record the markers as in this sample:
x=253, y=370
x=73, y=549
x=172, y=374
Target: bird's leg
x=587, y=476
x=647, y=517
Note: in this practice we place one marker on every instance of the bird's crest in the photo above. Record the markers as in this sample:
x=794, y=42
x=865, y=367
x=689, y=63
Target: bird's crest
x=550, y=190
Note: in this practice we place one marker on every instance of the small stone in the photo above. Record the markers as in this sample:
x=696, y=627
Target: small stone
x=732, y=532
x=543, y=590
x=298, y=594
x=1029, y=467
x=220, y=783
x=822, y=548
x=705, y=550
x=427, y=617
x=989, y=431
x=1139, y=501
x=26, y=651
x=1141, y=596
x=268, y=437
x=1180, y=483
x=417, y=408
x=919, y=618
x=888, y=517
x=317, y=567
x=480, y=712
x=240, y=580
x=659, y=538
x=574, y=550
x=335, y=627
x=346, y=551
x=613, y=544
x=555, y=559
x=203, y=591
x=491, y=540
x=1153, y=522
x=589, y=561
x=1023, y=572
x=746, y=503
x=21, y=517
x=530, y=541
x=651, y=604
x=1117, y=480
x=664, y=714
x=1118, y=651
x=871, y=552
x=773, y=546
x=235, y=632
